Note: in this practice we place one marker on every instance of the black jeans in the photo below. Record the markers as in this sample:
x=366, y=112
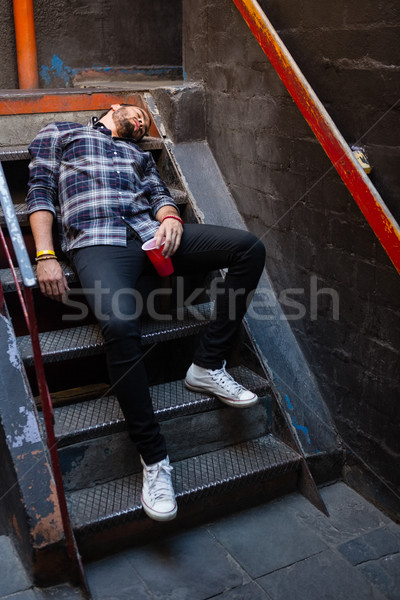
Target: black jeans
x=109, y=275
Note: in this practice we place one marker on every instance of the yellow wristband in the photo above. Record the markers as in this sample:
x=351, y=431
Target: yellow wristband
x=45, y=252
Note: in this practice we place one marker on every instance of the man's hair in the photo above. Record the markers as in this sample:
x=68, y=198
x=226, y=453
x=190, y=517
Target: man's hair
x=124, y=104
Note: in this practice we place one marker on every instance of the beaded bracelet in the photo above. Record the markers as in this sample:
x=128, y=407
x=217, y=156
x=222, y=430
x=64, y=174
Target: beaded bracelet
x=173, y=217
x=44, y=257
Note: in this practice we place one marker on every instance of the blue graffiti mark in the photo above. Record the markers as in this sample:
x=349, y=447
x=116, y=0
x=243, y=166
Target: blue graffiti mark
x=288, y=402
x=44, y=73
x=301, y=428
x=56, y=69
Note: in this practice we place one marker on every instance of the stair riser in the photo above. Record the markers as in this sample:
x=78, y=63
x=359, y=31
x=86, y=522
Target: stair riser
x=113, y=456
x=96, y=412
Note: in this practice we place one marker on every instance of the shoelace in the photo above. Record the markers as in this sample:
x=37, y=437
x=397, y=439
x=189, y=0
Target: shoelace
x=226, y=381
x=159, y=481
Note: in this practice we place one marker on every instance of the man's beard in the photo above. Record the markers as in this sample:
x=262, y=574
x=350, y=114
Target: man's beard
x=123, y=126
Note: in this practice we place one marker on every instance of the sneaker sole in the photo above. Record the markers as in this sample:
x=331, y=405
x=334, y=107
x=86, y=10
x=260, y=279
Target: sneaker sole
x=228, y=401
x=157, y=516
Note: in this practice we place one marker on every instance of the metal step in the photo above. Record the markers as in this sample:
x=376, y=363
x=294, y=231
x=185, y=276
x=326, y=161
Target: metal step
x=8, y=283
x=8, y=153
x=77, y=342
x=102, y=416
x=117, y=503
x=180, y=197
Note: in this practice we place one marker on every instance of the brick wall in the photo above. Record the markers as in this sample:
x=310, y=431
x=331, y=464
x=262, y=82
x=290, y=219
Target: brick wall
x=322, y=254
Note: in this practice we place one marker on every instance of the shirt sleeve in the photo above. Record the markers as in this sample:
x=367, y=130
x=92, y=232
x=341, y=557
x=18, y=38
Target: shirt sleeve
x=159, y=195
x=45, y=151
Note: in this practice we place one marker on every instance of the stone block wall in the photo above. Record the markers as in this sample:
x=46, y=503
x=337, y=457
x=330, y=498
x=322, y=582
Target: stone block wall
x=340, y=291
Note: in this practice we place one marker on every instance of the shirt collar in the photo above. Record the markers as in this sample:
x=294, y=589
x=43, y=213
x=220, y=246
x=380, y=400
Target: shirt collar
x=96, y=124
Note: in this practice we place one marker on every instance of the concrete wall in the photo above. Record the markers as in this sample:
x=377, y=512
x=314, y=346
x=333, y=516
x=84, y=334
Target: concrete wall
x=8, y=71
x=77, y=39
x=315, y=235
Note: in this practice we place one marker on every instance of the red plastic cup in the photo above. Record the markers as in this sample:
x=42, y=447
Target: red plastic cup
x=162, y=264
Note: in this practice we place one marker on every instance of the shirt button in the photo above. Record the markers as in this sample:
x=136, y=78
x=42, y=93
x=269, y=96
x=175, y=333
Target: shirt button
x=115, y=152
x=118, y=172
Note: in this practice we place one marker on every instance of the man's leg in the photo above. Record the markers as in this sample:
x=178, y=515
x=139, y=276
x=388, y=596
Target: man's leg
x=108, y=275
x=210, y=247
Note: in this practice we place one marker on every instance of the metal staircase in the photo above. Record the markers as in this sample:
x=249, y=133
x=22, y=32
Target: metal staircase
x=223, y=458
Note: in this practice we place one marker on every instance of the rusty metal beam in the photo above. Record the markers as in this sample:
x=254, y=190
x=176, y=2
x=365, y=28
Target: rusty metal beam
x=14, y=102
x=360, y=187
x=25, y=40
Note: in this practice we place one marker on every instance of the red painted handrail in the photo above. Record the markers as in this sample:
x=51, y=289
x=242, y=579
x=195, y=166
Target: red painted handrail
x=360, y=187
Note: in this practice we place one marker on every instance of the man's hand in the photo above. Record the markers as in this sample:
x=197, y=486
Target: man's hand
x=51, y=279
x=171, y=231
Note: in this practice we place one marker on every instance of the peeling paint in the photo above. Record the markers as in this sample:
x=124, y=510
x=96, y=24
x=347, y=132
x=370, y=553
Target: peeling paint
x=27, y=432
x=31, y=430
x=49, y=528
x=41, y=503
x=12, y=349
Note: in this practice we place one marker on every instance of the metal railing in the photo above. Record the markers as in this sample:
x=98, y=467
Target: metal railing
x=27, y=304
x=360, y=187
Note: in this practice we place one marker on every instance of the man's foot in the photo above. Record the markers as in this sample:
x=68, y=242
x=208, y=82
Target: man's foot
x=219, y=383
x=158, y=496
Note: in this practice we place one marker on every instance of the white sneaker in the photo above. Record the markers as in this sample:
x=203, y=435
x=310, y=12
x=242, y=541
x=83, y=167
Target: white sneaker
x=219, y=383
x=158, y=496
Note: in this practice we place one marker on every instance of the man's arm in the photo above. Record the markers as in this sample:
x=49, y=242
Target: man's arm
x=170, y=229
x=162, y=205
x=50, y=275
x=45, y=153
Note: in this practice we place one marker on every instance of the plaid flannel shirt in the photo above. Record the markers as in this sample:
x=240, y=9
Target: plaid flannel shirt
x=94, y=179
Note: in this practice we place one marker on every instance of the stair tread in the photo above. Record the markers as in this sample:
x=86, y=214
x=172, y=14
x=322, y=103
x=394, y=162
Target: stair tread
x=100, y=416
x=21, y=152
x=87, y=340
x=118, y=501
x=14, y=153
x=8, y=283
x=179, y=197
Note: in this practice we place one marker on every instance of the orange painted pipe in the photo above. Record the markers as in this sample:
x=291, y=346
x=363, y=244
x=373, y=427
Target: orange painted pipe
x=26, y=44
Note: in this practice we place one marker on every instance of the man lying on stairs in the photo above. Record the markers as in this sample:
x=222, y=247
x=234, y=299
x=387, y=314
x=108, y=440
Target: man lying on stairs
x=98, y=174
